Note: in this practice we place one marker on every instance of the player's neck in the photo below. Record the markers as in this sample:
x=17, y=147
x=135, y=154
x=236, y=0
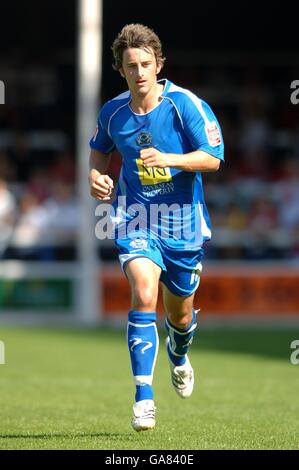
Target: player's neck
x=142, y=104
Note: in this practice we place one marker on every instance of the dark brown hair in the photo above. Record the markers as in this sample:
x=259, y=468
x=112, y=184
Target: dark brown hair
x=136, y=36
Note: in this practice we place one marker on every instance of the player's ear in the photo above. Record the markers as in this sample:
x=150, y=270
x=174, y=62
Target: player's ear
x=122, y=72
x=158, y=70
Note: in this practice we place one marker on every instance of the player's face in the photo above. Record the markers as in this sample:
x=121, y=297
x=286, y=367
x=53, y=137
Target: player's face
x=140, y=69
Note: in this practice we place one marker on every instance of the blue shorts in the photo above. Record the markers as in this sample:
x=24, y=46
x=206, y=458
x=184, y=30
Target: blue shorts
x=181, y=268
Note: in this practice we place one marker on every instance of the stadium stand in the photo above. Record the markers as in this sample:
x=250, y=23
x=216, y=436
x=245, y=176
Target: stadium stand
x=253, y=199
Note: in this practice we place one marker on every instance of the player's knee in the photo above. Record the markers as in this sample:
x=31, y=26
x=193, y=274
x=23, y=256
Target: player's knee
x=180, y=320
x=144, y=297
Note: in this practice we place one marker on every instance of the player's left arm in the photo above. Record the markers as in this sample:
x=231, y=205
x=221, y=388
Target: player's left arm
x=193, y=161
x=203, y=132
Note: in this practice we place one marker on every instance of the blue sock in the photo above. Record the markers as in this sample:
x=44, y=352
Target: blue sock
x=143, y=343
x=180, y=341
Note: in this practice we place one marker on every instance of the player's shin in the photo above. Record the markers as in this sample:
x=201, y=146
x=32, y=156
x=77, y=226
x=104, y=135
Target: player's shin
x=179, y=341
x=143, y=343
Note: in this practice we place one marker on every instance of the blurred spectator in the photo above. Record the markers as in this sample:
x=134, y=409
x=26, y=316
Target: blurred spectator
x=7, y=169
x=294, y=255
x=287, y=194
x=262, y=222
x=255, y=134
x=44, y=229
x=63, y=214
x=39, y=184
x=263, y=216
x=19, y=154
x=237, y=218
x=63, y=168
x=7, y=215
x=31, y=238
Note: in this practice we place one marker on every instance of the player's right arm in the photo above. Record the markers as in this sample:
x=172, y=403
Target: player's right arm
x=101, y=185
x=101, y=146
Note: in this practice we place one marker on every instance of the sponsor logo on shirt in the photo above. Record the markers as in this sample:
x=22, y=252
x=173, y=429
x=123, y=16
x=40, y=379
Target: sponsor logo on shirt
x=158, y=189
x=213, y=134
x=152, y=175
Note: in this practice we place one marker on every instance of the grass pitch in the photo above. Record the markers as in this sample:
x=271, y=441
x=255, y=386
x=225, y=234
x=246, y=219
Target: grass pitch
x=71, y=389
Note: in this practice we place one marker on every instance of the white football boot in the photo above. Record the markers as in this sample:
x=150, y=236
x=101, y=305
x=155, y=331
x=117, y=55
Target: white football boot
x=182, y=377
x=144, y=415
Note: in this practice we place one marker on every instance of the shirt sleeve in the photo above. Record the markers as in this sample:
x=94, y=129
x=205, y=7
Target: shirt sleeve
x=202, y=128
x=101, y=140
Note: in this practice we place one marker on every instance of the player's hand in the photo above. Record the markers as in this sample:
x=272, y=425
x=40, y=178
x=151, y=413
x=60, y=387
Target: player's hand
x=101, y=186
x=152, y=157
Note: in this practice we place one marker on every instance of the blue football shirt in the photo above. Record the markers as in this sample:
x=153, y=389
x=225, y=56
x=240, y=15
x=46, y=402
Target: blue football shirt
x=181, y=123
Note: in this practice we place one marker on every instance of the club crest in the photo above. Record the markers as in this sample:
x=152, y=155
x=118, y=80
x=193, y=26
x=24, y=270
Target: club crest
x=144, y=139
x=139, y=243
